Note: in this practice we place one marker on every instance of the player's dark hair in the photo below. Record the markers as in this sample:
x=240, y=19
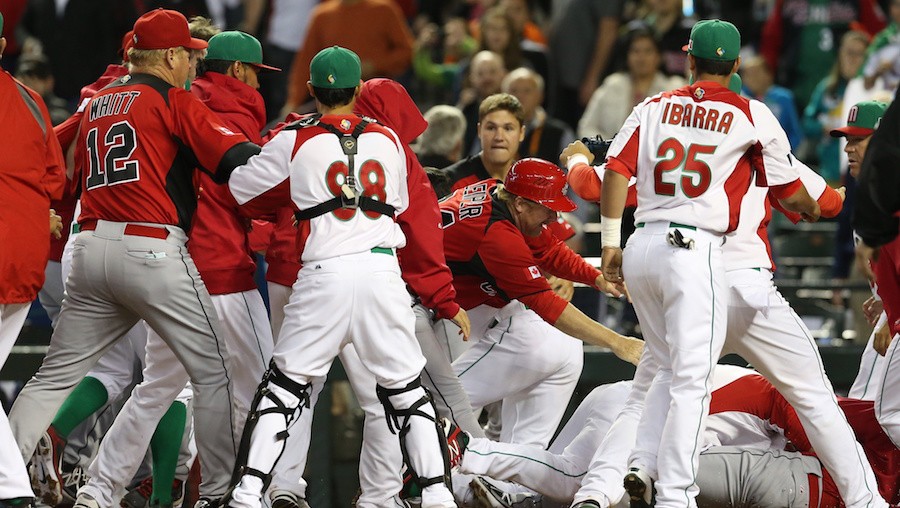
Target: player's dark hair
x=334, y=97
x=714, y=67
x=502, y=102
x=220, y=66
x=440, y=181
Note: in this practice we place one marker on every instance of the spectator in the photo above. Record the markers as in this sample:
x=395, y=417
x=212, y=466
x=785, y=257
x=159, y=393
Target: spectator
x=486, y=73
x=441, y=143
x=666, y=20
x=759, y=84
x=373, y=29
x=288, y=24
x=825, y=112
x=79, y=38
x=498, y=33
x=578, y=70
x=437, y=58
x=883, y=55
x=519, y=12
x=34, y=72
x=611, y=104
x=545, y=137
x=31, y=175
x=798, y=39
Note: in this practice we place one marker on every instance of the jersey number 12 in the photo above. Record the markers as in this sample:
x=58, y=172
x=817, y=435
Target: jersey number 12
x=114, y=167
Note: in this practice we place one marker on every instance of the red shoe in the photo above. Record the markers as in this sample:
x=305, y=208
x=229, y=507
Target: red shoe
x=46, y=479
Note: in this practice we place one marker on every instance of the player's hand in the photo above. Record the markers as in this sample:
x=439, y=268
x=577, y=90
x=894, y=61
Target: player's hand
x=872, y=308
x=615, y=289
x=611, y=264
x=565, y=289
x=575, y=147
x=842, y=192
x=55, y=224
x=628, y=349
x=812, y=216
x=462, y=321
x=883, y=339
x=865, y=256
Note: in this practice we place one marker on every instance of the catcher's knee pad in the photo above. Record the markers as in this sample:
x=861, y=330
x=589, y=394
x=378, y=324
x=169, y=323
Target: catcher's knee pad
x=277, y=394
x=400, y=406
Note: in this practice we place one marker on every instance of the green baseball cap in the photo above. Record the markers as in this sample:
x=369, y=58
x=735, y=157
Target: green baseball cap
x=237, y=46
x=335, y=67
x=862, y=119
x=714, y=39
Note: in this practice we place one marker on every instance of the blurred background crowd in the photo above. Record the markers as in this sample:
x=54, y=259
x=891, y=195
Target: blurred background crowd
x=577, y=66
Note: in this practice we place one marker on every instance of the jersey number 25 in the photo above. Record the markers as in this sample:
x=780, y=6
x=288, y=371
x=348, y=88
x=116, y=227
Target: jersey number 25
x=695, y=173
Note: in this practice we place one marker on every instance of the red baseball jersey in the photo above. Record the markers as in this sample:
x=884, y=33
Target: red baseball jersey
x=493, y=263
x=140, y=141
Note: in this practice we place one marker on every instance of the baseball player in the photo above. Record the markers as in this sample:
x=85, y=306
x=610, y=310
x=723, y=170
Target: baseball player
x=764, y=329
x=496, y=245
x=225, y=263
x=743, y=462
x=130, y=260
x=674, y=261
x=424, y=270
x=862, y=121
x=349, y=288
x=32, y=173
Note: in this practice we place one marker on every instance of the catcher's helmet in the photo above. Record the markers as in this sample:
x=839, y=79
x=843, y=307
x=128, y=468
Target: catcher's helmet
x=540, y=181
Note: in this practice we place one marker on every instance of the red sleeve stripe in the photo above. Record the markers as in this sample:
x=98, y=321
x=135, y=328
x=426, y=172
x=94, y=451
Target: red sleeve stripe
x=735, y=188
x=625, y=163
x=786, y=190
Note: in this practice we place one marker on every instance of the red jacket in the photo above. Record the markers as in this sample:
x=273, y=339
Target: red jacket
x=218, y=238
x=887, y=276
x=32, y=172
x=66, y=132
x=422, y=260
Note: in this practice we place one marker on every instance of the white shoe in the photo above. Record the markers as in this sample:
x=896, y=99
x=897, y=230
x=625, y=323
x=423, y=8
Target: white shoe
x=86, y=501
x=488, y=494
x=639, y=487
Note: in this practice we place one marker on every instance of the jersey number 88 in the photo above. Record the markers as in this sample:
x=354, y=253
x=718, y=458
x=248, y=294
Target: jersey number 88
x=370, y=177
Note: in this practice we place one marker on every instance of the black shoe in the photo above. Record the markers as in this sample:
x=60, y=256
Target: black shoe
x=206, y=502
x=640, y=488
x=587, y=503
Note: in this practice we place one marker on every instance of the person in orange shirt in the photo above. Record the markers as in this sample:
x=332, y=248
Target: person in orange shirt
x=373, y=29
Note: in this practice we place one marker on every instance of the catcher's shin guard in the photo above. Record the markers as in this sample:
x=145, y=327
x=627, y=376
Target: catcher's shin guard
x=410, y=414
x=277, y=403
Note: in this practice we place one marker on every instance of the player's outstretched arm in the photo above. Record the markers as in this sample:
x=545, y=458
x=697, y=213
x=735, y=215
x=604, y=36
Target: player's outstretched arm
x=801, y=202
x=575, y=323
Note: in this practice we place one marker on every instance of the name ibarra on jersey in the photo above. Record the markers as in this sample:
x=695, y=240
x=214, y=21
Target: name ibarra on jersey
x=113, y=104
x=690, y=115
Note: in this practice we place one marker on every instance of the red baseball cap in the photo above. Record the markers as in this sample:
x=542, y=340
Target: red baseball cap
x=163, y=29
x=540, y=181
x=127, y=43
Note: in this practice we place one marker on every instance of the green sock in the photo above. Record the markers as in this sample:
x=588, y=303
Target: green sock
x=165, y=446
x=89, y=396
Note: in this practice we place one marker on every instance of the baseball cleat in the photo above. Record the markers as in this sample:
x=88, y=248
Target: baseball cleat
x=287, y=499
x=489, y=495
x=457, y=440
x=86, y=501
x=640, y=488
x=206, y=502
x=587, y=503
x=139, y=496
x=46, y=479
x=74, y=476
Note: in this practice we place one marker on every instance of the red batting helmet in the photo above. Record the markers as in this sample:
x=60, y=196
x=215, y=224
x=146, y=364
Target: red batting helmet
x=540, y=181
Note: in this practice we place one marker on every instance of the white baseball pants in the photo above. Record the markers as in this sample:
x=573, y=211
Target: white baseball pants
x=681, y=299
x=867, y=385
x=14, y=480
x=556, y=473
x=764, y=330
x=539, y=365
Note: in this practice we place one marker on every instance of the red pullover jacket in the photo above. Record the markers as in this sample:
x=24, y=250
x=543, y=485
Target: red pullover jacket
x=218, y=237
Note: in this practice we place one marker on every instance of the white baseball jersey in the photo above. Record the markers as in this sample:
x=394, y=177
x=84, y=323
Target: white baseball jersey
x=748, y=246
x=694, y=150
x=308, y=166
